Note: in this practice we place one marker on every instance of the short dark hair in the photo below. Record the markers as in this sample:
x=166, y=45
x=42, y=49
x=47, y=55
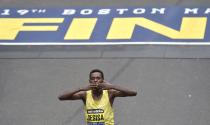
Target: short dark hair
x=96, y=70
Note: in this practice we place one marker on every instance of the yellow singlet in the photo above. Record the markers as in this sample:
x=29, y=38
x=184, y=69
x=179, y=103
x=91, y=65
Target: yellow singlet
x=98, y=112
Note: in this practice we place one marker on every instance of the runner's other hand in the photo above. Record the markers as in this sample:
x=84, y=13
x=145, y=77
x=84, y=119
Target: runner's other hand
x=105, y=85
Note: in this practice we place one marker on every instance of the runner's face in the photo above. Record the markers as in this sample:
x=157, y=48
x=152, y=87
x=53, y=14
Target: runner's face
x=96, y=78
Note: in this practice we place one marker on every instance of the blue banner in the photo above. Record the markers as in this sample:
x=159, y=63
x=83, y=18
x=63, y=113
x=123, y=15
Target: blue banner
x=104, y=26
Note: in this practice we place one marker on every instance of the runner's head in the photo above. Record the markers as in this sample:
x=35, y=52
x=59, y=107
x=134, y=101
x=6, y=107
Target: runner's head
x=96, y=76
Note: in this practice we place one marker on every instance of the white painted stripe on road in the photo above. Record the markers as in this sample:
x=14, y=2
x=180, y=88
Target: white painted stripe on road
x=111, y=43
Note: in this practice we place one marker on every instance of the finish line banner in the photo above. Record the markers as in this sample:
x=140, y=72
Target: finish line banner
x=105, y=26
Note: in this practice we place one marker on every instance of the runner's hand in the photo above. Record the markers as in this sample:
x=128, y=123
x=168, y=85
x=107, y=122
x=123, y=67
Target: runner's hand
x=92, y=85
x=105, y=85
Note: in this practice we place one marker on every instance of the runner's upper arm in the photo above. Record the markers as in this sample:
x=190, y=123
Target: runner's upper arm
x=115, y=93
x=79, y=95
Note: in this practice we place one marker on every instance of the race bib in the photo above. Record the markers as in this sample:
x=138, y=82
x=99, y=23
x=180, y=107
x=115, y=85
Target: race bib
x=95, y=117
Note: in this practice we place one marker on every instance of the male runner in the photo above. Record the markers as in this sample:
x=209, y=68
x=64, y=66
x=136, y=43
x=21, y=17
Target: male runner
x=98, y=98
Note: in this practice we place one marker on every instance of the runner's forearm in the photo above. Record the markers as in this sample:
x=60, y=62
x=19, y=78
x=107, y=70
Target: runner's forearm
x=126, y=91
x=67, y=95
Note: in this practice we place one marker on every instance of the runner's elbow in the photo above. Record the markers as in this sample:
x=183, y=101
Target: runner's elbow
x=133, y=94
x=61, y=98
